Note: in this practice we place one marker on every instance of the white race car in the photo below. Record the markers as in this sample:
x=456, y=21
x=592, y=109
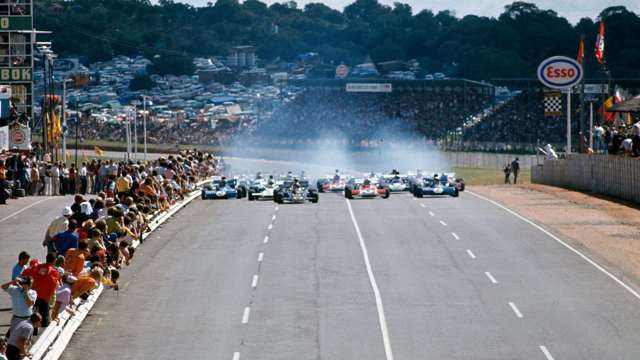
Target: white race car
x=262, y=189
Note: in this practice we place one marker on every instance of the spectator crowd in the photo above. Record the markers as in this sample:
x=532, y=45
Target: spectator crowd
x=23, y=174
x=93, y=238
x=367, y=116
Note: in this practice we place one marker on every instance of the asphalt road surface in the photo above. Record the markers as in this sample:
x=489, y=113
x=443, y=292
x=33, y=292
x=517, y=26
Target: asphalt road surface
x=432, y=278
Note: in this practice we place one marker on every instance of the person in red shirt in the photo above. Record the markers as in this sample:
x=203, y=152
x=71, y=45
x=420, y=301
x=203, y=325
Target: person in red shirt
x=45, y=281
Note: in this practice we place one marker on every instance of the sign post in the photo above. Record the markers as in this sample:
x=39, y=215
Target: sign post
x=562, y=73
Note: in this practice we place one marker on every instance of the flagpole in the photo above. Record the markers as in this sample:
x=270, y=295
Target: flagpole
x=568, y=149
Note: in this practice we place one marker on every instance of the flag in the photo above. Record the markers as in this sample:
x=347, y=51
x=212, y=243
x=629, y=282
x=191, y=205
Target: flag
x=580, y=57
x=608, y=116
x=99, y=152
x=552, y=104
x=599, y=50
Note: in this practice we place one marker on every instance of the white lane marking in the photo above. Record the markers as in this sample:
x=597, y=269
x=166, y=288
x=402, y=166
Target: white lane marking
x=471, y=254
x=583, y=256
x=414, y=199
x=546, y=352
x=431, y=213
x=260, y=257
x=254, y=281
x=236, y=356
x=245, y=315
x=277, y=208
x=266, y=239
x=443, y=223
x=27, y=207
x=273, y=217
x=455, y=236
x=421, y=204
x=270, y=226
x=491, y=278
x=515, y=310
x=376, y=292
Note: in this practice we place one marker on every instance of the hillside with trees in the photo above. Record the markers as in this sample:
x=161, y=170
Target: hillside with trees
x=474, y=47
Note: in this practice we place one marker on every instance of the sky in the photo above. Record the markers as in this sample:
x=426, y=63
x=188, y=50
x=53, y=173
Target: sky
x=566, y=8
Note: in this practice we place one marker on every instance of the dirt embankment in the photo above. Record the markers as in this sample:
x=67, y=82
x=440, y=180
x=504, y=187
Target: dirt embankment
x=609, y=231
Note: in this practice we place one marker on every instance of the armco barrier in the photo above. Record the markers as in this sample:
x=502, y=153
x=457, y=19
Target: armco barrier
x=614, y=176
x=54, y=339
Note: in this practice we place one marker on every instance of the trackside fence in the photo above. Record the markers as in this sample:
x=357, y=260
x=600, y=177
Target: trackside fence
x=614, y=176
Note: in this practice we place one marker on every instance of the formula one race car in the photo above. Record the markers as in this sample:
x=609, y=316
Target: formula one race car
x=397, y=183
x=262, y=189
x=435, y=185
x=295, y=192
x=221, y=188
x=365, y=188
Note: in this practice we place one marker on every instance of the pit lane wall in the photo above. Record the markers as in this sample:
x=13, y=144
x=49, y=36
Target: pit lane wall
x=614, y=176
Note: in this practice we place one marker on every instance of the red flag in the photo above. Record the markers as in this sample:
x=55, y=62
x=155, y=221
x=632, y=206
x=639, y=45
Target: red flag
x=600, y=44
x=580, y=57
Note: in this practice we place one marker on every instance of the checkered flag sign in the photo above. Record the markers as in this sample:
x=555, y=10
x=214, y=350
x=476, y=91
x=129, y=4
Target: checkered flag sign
x=552, y=104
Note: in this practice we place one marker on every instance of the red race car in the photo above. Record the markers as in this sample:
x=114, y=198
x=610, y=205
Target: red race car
x=365, y=189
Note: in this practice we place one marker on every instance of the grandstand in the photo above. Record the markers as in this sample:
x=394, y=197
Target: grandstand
x=363, y=110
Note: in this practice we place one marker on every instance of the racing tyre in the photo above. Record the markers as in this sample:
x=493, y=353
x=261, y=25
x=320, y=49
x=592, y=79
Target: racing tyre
x=456, y=193
x=347, y=194
x=386, y=194
x=418, y=192
x=320, y=189
x=314, y=198
x=250, y=196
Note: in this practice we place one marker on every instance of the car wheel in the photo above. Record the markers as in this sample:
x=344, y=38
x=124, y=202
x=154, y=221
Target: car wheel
x=347, y=194
x=386, y=194
x=418, y=192
x=314, y=198
x=250, y=196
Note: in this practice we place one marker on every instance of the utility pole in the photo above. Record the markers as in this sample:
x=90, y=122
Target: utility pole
x=63, y=116
x=144, y=124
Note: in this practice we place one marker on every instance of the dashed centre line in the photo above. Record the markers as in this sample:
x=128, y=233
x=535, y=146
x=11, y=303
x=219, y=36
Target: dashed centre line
x=471, y=254
x=546, y=352
x=431, y=213
x=421, y=204
x=236, y=356
x=443, y=223
x=516, y=310
x=455, y=236
x=491, y=278
x=260, y=257
x=277, y=208
x=266, y=239
x=273, y=217
x=270, y=226
x=254, y=281
x=245, y=315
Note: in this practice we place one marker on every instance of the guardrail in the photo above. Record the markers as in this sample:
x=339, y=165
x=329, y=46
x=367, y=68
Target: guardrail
x=54, y=339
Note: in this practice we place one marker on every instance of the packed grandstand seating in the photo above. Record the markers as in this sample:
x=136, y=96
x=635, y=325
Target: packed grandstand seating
x=362, y=116
x=520, y=120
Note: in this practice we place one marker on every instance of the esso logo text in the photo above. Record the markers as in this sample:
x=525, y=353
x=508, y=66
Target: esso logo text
x=560, y=72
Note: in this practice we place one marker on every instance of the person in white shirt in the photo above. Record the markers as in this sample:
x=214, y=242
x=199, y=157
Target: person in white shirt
x=55, y=180
x=635, y=137
x=598, y=137
x=83, y=178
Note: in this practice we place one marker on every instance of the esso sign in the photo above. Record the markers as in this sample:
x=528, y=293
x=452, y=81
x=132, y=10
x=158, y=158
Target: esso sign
x=560, y=72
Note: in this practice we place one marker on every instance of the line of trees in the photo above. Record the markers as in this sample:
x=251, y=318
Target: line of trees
x=474, y=47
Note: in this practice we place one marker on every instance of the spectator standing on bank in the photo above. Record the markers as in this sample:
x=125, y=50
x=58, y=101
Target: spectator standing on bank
x=18, y=268
x=34, y=179
x=45, y=281
x=55, y=180
x=83, y=173
x=20, y=339
x=507, y=173
x=22, y=299
x=515, y=168
x=635, y=137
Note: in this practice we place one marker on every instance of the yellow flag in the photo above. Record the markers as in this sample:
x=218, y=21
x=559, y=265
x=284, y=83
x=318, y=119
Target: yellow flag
x=99, y=152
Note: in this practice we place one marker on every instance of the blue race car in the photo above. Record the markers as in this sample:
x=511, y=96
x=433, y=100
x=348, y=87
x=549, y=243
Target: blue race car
x=435, y=185
x=221, y=188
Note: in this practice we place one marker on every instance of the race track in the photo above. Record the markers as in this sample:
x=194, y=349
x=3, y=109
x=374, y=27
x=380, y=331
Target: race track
x=432, y=278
